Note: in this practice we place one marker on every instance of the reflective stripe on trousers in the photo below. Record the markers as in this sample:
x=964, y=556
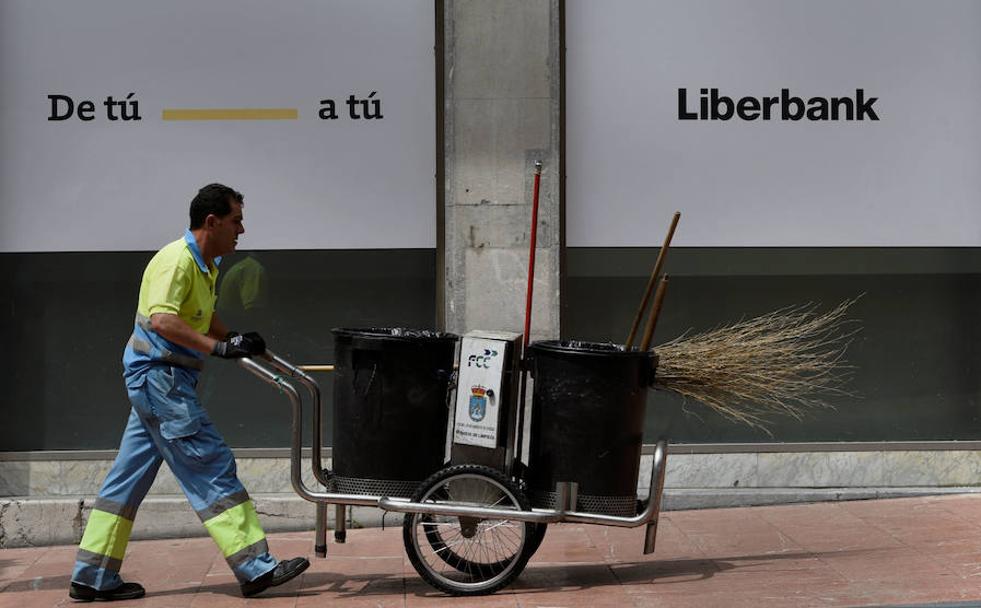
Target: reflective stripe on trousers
x=167, y=424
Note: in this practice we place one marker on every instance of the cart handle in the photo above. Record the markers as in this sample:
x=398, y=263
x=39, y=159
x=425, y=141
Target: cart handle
x=316, y=367
x=297, y=372
x=329, y=367
x=282, y=382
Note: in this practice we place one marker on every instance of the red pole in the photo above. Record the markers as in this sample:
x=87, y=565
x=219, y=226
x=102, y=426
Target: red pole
x=519, y=440
x=531, y=254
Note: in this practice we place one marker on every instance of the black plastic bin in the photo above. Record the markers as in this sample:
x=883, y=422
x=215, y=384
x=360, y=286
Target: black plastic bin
x=587, y=423
x=390, y=408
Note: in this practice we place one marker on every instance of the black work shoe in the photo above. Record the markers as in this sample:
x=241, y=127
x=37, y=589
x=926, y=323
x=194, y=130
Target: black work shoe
x=126, y=591
x=284, y=571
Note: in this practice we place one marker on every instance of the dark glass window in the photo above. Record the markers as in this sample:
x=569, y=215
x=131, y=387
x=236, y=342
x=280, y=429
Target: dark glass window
x=67, y=316
x=917, y=358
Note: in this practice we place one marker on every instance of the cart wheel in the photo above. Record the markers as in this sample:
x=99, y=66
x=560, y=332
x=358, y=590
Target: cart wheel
x=464, y=555
x=536, y=540
x=444, y=549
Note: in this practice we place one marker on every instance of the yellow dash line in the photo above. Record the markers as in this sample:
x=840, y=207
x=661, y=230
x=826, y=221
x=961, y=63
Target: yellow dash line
x=232, y=114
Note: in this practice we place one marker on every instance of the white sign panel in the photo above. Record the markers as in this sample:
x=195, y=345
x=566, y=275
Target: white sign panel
x=774, y=122
x=114, y=113
x=478, y=392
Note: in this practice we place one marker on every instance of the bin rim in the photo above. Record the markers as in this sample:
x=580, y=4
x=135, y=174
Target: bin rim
x=399, y=334
x=584, y=347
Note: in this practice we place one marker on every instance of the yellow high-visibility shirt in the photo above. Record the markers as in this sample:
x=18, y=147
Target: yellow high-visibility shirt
x=177, y=281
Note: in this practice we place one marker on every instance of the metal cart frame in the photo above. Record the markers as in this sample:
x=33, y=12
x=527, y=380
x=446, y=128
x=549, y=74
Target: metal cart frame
x=282, y=374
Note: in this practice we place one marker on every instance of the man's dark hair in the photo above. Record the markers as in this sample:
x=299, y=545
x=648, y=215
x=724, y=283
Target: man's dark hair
x=213, y=199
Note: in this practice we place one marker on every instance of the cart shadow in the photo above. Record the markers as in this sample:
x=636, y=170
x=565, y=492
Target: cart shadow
x=546, y=577
x=551, y=576
x=63, y=581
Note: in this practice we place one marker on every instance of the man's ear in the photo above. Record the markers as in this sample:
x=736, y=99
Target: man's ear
x=211, y=221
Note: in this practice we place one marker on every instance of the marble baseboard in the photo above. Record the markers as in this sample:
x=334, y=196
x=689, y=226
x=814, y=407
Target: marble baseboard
x=885, y=469
x=34, y=522
x=941, y=468
x=84, y=477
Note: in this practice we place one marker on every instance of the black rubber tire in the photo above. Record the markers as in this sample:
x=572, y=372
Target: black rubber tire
x=510, y=568
x=537, y=536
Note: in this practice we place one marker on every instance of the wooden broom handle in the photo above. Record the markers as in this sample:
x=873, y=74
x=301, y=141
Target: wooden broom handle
x=658, y=265
x=662, y=287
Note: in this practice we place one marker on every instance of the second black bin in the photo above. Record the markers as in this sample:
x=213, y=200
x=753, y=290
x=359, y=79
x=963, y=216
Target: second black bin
x=587, y=423
x=390, y=408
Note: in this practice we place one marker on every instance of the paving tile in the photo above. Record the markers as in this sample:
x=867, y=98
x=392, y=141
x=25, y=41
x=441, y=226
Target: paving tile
x=42, y=598
x=574, y=544
x=883, y=552
x=372, y=542
x=418, y=595
x=963, y=564
x=627, y=544
x=13, y=563
x=346, y=578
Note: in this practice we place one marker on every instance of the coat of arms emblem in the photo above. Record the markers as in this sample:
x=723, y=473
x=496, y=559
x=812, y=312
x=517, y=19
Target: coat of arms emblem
x=478, y=403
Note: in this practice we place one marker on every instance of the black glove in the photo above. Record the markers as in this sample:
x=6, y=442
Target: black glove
x=236, y=346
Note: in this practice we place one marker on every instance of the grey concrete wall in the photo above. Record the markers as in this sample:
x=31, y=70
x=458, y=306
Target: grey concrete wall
x=501, y=113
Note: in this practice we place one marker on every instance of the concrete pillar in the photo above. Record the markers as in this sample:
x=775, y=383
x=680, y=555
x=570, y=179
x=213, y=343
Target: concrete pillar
x=501, y=113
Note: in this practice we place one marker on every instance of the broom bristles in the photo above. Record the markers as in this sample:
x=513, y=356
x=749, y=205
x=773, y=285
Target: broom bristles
x=781, y=363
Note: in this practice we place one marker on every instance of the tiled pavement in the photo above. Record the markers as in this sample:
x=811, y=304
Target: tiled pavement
x=882, y=553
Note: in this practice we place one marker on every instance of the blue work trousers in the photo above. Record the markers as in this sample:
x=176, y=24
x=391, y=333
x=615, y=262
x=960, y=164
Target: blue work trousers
x=167, y=423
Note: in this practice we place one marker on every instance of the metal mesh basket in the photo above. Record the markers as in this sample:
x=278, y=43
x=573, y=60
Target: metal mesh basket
x=620, y=506
x=374, y=487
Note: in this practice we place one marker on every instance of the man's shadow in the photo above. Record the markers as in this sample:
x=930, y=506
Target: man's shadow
x=535, y=579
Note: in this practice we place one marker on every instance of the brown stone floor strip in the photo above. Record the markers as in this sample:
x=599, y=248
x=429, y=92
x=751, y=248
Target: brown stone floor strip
x=903, y=552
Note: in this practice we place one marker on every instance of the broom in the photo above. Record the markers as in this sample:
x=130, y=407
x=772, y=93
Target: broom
x=783, y=362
